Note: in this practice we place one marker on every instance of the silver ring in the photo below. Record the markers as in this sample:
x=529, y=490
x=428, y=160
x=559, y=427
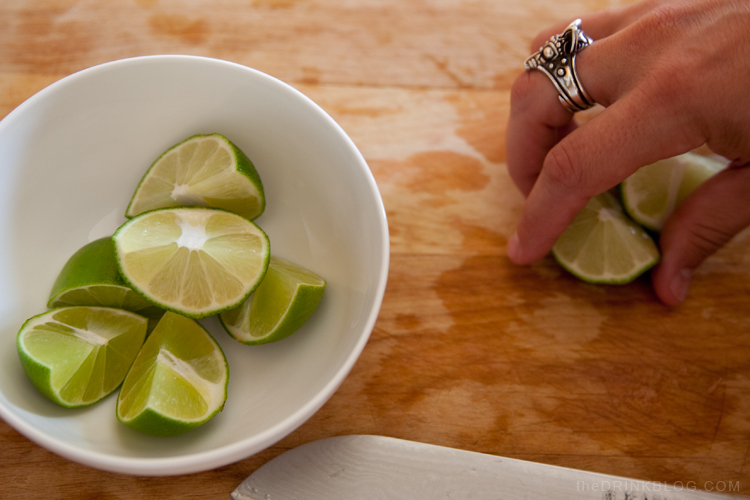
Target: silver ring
x=557, y=59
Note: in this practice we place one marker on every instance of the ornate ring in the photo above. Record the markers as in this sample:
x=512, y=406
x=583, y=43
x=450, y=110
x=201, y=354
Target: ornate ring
x=557, y=59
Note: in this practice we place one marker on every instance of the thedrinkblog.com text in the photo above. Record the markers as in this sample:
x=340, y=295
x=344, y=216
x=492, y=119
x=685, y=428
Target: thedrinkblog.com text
x=636, y=490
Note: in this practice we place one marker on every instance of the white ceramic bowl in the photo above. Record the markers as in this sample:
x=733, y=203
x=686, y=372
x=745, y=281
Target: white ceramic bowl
x=70, y=158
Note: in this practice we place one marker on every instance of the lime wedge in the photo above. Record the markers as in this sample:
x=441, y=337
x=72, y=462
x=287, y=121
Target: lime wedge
x=192, y=260
x=282, y=303
x=77, y=356
x=653, y=192
x=90, y=278
x=177, y=382
x=203, y=170
x=602, y=245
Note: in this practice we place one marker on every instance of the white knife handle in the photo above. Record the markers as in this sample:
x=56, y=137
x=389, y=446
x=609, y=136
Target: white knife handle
x=375, y=467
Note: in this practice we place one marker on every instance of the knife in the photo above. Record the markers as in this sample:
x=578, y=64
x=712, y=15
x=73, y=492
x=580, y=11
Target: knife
x=376, y=467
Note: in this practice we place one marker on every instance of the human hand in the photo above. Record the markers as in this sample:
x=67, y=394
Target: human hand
x=672, y=75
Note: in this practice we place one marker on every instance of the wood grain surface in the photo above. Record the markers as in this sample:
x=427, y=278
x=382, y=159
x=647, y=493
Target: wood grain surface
x=469, y=351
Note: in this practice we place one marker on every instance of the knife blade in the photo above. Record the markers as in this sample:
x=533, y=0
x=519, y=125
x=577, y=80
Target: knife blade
x=367, y=467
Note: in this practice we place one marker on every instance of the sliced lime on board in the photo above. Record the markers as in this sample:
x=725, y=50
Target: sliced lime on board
x=653, y=192
x=602, y=245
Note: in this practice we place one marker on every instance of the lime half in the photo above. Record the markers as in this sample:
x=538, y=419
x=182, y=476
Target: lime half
x=90, y=278
x=653, y=192
x=77, y=356
x=282, y=303
x=602, y=245
x=177, y=382
x=206, y=170
x=192, y=260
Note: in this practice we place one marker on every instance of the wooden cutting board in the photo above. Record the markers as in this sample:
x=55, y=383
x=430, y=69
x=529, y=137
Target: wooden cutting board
x=469, y=350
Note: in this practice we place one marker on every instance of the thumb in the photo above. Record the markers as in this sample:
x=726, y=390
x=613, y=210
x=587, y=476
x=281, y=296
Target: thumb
x=711, y=216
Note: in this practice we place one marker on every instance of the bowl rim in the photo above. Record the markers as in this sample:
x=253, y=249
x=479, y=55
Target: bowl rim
x=239, y=450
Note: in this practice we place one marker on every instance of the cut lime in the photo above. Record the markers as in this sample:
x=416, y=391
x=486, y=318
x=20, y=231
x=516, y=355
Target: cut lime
x=90, y=278
x=653, y=192
x=77, y=356
x=177, y=382
x=282, y=303
x=192, y=260
x=602, y=245
x=203, y=170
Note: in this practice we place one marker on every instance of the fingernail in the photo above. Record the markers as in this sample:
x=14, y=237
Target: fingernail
x=513, y=247
x=680, y=284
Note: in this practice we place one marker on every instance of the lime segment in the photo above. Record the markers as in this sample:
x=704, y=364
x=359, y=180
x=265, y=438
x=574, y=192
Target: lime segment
x=192, y=260
x=77, y=356
x=653, y=192
x=206, y=170
x=177, y=382
x=602, y=245
x=90, y=278
x=282, y=303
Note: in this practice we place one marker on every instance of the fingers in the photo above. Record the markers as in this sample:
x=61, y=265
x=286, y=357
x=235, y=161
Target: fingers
x=534, y=127
x=712, y=215
x=559, y=167
x=590, y=160
x=537, y=119
x=654, y=109
x=600, y=24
